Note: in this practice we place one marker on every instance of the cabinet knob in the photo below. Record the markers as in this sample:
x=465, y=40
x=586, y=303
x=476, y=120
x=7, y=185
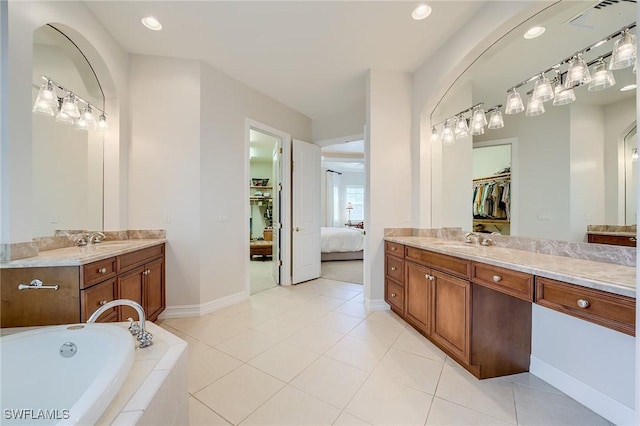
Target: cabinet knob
x=632, y=239
x=582, y=303
x=102, y=302
x=393, y=295
x=393, y=249
x=429, y=277
x=393, y=268
x=497, y=278
x=102, y=270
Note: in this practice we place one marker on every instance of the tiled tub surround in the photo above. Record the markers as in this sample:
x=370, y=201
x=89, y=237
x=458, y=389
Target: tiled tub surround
x=569, y=353
x=64, y=239
x=156, y=390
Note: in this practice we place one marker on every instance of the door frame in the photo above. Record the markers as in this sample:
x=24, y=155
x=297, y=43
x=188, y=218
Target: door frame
x=285, y=211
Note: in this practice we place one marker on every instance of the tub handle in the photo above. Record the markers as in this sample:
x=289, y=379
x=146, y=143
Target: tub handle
x=37, y=285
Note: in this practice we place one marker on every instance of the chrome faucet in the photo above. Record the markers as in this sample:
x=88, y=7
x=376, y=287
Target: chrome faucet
x=471, y=235
x=95, y=237
x=136, y=328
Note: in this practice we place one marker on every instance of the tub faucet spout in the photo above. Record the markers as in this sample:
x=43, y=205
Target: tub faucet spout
x=144, y=337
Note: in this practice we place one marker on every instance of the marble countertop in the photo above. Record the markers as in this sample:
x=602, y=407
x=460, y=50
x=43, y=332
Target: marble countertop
x=607, y=277
x=77, y=256
x=614, y=233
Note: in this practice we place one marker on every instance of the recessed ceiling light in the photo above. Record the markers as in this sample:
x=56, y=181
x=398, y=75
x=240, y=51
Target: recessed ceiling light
x=534, y=32
x=151, y=23
x=421, y=12
x=628, y=87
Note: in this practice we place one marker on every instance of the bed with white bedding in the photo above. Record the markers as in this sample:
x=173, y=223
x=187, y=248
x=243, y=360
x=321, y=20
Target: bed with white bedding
x=341, y=243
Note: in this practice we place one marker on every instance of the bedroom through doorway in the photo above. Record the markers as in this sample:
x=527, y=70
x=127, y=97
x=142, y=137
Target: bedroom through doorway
x=343, y=227
x=261, y=201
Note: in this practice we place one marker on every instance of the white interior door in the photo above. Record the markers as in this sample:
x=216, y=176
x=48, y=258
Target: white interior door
x=306, y=212
x=277, y=221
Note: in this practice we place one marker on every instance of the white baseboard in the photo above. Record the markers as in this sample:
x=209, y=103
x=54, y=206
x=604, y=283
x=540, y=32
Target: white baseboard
x=182, y=311
x=376, y=305
x=607, y=407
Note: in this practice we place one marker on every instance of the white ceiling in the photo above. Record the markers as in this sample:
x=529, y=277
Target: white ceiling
x=310, y=55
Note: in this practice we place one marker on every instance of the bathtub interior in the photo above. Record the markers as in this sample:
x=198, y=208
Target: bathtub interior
x=35, y=376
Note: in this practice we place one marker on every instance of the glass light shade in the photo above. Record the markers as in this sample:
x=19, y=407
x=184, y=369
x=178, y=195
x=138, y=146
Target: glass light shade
x=542, y=89
x=447, y=135
x=462, y=128
x=514, y=103
x=62, y=117
x=435, y=137
x=634, y=154
x=477, y=129
x=86, y=120
x=578, y=73
x=70, y=106
x=624, y=52
x=602, y=78
x=102, y=122
x=478, y=118
x=563, y=96
x=495, y=120
x=534, y=107
x=47, y=101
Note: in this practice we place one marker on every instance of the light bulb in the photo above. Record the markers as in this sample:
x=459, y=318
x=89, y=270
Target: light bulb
x=102, y=122
x=634, y=154
x=563, y=96
x=462, y=128
x=70, y=106
x=447, y=134
x=86, y=120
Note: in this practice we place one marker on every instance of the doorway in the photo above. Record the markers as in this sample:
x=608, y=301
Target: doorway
x=343, y=202
x=263, y=204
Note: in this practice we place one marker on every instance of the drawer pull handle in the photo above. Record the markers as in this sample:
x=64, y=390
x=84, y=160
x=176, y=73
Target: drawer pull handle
x=632, y=239
x=393, y=295
x=497, y=278
x=582, y=303
x=102, y=270
x=393, y=268
x=102, y=302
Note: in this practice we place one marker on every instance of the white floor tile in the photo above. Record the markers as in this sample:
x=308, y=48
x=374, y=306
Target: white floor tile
x=357, y=353
x=315, y=338
x=536, y=407
x=323, y=302
x=413, y=342
x=291, y=407
x=338, y=322
x=493, y=397
x=280, y=327
x=239, y=393
x=388, y=317
x=208, y=366
x=354, y=309
x=247, y=345
x=331, y=381
x=201, y=415
x=411, y=370
x=383, y=402
x=377, y=332
x=347, y=419
x=284, y=361
x=445, y=413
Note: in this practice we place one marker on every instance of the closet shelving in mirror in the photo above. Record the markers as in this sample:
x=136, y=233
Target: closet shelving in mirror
x=491, y=200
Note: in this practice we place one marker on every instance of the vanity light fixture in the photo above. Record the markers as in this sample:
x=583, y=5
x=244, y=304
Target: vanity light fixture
x=542, y=89
x=634, y=154
x=66, y=107
x=535, y=107
x=478, y=121
x=495, y=119
x=461, y=129
x=602, y=77
x=514, y=103
x=421, y=12
x=534, y=32
x=578, y=72
x=624, y=51
x=435, y=137
x=447, y=133
x=153, y=24
x=628, y=87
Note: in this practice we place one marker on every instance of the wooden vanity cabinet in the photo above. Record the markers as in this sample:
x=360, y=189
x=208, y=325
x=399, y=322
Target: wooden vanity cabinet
x=419, y=287
x=138, y=275
x=394, y=292
x=451, y=309
x=616, y=240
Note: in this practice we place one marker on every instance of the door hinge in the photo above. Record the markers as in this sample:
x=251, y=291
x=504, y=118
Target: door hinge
x=279, y=187
x=279, y=263
x=277, y=225
x=280, y=150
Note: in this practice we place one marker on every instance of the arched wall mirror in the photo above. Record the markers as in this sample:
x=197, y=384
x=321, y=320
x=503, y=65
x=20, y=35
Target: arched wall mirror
x=568, y=167
x=67, y=161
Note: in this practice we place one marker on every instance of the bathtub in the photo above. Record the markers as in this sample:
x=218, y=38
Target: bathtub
x=65, y=375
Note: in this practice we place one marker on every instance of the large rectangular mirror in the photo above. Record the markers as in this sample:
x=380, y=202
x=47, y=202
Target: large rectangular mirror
x=67, y=176
x=570, y=166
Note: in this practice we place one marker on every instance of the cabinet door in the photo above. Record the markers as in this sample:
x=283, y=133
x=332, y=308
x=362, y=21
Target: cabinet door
x=96, y=296
x=130, y=287
x=452, y=314
x=418, y=295
x=154, y=289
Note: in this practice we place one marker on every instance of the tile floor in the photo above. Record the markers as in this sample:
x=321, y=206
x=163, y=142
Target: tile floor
x=312, y=355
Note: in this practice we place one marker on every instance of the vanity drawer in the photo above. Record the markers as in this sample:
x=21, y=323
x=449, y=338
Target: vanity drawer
x=513, y=283
x=394, y=268
x=599, y=307
x=96, y=272
x=394, y=294
x=96, y=296
x=617, y=240
x=131, y=260
x=394, y=249
x=442, y=262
